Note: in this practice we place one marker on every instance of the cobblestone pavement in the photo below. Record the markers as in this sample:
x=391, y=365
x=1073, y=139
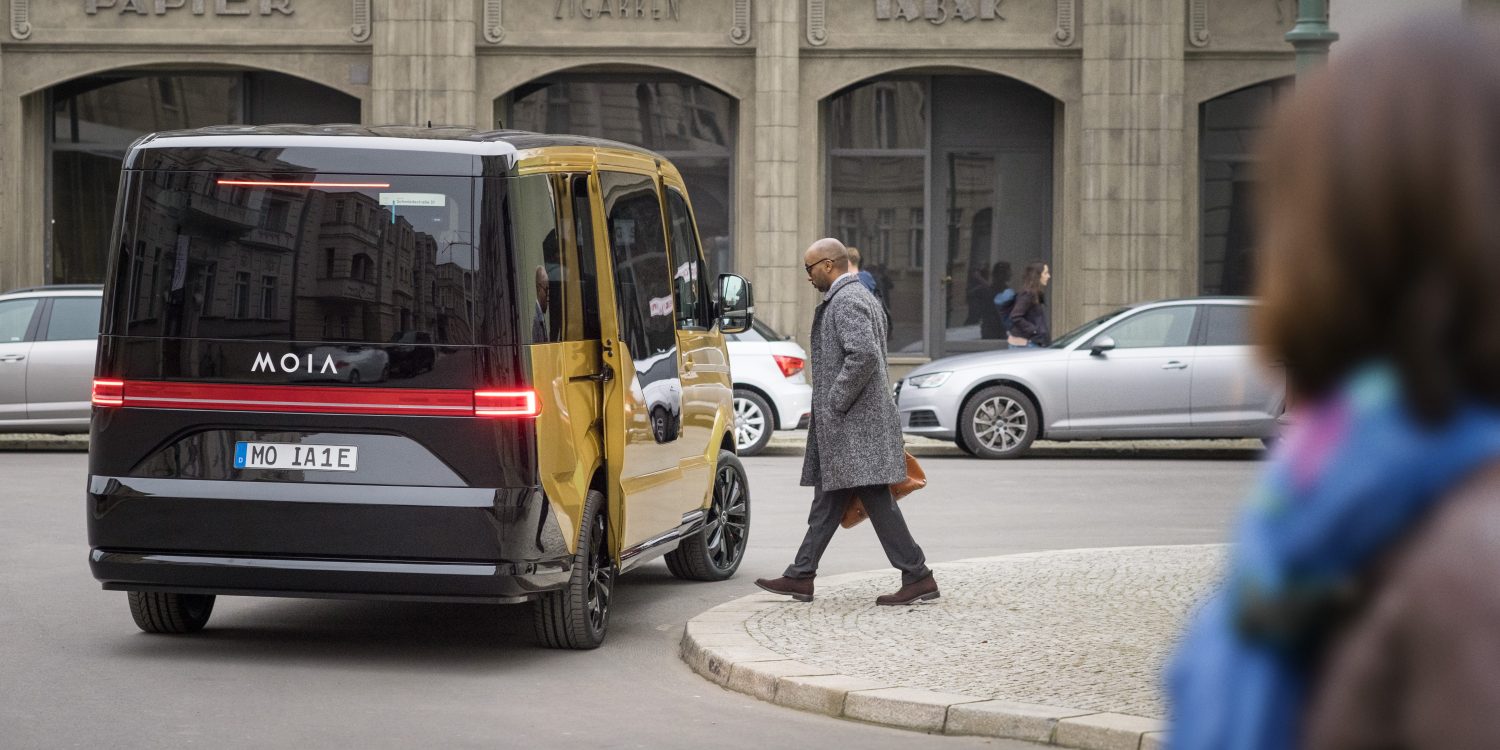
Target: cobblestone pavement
x=1087, y=629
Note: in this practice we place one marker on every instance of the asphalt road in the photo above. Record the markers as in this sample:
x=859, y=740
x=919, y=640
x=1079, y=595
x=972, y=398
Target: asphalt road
x=75, y=672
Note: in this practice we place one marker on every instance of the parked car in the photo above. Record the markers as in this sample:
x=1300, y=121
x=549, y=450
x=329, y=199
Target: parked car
x=771, y=391
x=482, y=481
x=1172, y=369
x=48, y=335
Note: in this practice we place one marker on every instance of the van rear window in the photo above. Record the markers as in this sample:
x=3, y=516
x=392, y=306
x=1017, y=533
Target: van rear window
x=301, y=257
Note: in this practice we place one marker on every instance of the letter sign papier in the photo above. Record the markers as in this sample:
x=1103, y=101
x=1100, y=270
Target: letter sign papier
x=197, y=8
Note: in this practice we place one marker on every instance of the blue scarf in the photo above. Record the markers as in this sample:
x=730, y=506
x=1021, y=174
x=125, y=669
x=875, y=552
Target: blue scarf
x=1354, y=475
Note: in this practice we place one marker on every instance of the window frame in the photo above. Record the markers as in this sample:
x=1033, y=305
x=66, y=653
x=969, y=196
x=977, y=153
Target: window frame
x=705, y=320
x=1193, y=335
x=33, y=326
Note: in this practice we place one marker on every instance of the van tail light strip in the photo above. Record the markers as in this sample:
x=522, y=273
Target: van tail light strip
x=108, y=392
x=272, y=183
x=312, y=399
x=789, y=365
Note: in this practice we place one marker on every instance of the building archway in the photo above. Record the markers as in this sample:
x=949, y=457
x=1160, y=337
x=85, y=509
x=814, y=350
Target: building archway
x=691, y=123
x=945, y=184
x=1227, y=129
x=91, y=121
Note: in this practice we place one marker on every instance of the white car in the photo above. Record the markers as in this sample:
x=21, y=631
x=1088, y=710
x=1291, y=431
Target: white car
x=771, y=391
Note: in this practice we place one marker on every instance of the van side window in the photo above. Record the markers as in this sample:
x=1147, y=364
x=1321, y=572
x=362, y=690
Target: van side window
x=541, y=267
x=687, y=265
x=583, y=249
x=639, y=251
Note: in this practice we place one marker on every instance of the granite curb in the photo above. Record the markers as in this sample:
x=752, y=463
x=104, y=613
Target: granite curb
x=44, y=442
x=717, y=645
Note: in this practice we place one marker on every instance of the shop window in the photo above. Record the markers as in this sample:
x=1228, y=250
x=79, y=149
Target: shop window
x=690, y=123
x=1227, y=129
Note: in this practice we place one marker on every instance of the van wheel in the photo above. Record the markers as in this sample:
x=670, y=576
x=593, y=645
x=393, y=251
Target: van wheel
x=998, y=422
x=752, y=423
x=714, y=552
x=578, y=616
x=162, y=612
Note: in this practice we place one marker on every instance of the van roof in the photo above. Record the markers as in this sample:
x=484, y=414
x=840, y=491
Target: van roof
x=442, y=139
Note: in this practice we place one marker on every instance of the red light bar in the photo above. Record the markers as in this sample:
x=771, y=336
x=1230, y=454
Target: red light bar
x=506, y=404
x=108, y=392
x=316, y=399
x=269, y=183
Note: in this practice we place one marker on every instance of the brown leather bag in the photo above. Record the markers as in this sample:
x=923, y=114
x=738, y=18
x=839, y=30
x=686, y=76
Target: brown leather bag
x=915, y=480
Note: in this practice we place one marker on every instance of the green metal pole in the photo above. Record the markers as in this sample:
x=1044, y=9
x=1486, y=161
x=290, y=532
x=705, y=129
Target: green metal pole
x=1311, y=37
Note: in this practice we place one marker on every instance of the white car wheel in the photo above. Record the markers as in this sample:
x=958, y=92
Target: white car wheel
x=753, y=423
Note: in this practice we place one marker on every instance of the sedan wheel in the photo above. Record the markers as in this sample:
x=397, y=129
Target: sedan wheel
x=999, y=422
x=752, y=423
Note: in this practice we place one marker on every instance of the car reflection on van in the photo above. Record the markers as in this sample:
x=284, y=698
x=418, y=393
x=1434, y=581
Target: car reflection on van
x=425, y=364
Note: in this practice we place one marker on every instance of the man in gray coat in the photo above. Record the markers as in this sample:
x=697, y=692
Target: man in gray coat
x=854, y=445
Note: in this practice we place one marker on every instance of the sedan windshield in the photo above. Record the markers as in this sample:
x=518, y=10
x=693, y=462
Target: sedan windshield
x=1074, y=335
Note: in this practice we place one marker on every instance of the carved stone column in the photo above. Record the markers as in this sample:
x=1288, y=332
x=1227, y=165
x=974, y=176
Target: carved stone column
x=1134, y=246
x=777, y=246
x=423, y=61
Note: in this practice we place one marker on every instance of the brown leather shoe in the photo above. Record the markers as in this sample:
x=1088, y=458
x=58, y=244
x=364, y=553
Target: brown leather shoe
x=800, y=589
x=921, y=591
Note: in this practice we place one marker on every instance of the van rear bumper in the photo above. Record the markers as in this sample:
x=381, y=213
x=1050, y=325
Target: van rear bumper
x=325, y=540
x=405, y=580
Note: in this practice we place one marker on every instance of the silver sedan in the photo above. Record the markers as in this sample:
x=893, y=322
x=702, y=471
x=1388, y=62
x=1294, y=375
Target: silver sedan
x=1172, y=369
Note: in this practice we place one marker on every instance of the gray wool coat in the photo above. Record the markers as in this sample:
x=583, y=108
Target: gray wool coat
x=854, y=439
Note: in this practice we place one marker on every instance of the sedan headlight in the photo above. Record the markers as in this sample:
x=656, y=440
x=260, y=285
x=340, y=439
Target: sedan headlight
x=929, y=380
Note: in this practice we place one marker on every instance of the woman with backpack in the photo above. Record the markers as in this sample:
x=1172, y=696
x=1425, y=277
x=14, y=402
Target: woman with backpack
x=1030, y=324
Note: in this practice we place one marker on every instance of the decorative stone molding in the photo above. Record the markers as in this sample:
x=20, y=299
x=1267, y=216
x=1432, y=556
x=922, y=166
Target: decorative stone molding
x=1064, y=35
x=1198, y=23
x=494, y=33
x=739, y=31
x=20, y=18
x=361, y=28
x=817, y=22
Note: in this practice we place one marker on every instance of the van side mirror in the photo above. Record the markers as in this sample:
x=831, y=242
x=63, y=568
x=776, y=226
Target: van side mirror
x=1101, y=345
x=736, y=305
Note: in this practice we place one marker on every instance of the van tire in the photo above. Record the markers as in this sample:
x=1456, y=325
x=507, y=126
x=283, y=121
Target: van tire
x=163, y=612
x=577, y=617
x=714, y=552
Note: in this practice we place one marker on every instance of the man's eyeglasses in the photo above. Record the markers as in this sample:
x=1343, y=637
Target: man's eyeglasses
x=815, y=265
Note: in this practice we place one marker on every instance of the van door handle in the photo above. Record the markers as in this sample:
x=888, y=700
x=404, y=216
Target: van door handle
x=603, y=376
x=1174, y=365
x=12, y=358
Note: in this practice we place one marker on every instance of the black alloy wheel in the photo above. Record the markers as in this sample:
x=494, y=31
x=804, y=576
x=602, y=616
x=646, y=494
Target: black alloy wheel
x=577, y=616
x=715, y=552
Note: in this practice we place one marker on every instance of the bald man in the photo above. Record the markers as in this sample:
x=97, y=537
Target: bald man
x=854, y=445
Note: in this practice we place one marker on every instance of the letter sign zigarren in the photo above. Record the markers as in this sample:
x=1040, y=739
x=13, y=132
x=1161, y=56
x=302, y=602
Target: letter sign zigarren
x=655, y=10
x=196, y=7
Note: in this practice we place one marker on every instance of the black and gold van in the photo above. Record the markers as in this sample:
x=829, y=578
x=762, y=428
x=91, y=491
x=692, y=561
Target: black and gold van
x=427, y=364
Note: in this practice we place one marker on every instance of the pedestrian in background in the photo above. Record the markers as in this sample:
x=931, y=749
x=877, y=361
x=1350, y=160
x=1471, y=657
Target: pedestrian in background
x=865, y=277
x=1360, y=608
x=1030, y=323
x=996, y=321
x=854, y=444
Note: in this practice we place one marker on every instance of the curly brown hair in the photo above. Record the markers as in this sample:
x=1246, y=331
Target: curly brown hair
x=1379, y=210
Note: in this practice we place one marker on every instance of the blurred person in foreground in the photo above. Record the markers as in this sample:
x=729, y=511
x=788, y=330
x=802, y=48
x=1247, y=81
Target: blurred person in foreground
x=1361, y=608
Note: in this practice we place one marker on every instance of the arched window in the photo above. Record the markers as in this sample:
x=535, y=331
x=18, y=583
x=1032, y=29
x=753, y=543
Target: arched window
x=1227, y=128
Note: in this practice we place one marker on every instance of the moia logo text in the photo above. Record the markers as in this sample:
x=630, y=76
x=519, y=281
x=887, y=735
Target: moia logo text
x=291, y=363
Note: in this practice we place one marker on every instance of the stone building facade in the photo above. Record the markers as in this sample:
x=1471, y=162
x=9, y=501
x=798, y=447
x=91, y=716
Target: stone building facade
x=950, y=140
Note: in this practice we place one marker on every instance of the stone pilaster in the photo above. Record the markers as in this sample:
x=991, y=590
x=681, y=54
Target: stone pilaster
x=777, y=246
x=1133, y=242
x=423, y=63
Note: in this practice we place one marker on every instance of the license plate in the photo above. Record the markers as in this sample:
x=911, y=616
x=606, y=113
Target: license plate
x=294, y=456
